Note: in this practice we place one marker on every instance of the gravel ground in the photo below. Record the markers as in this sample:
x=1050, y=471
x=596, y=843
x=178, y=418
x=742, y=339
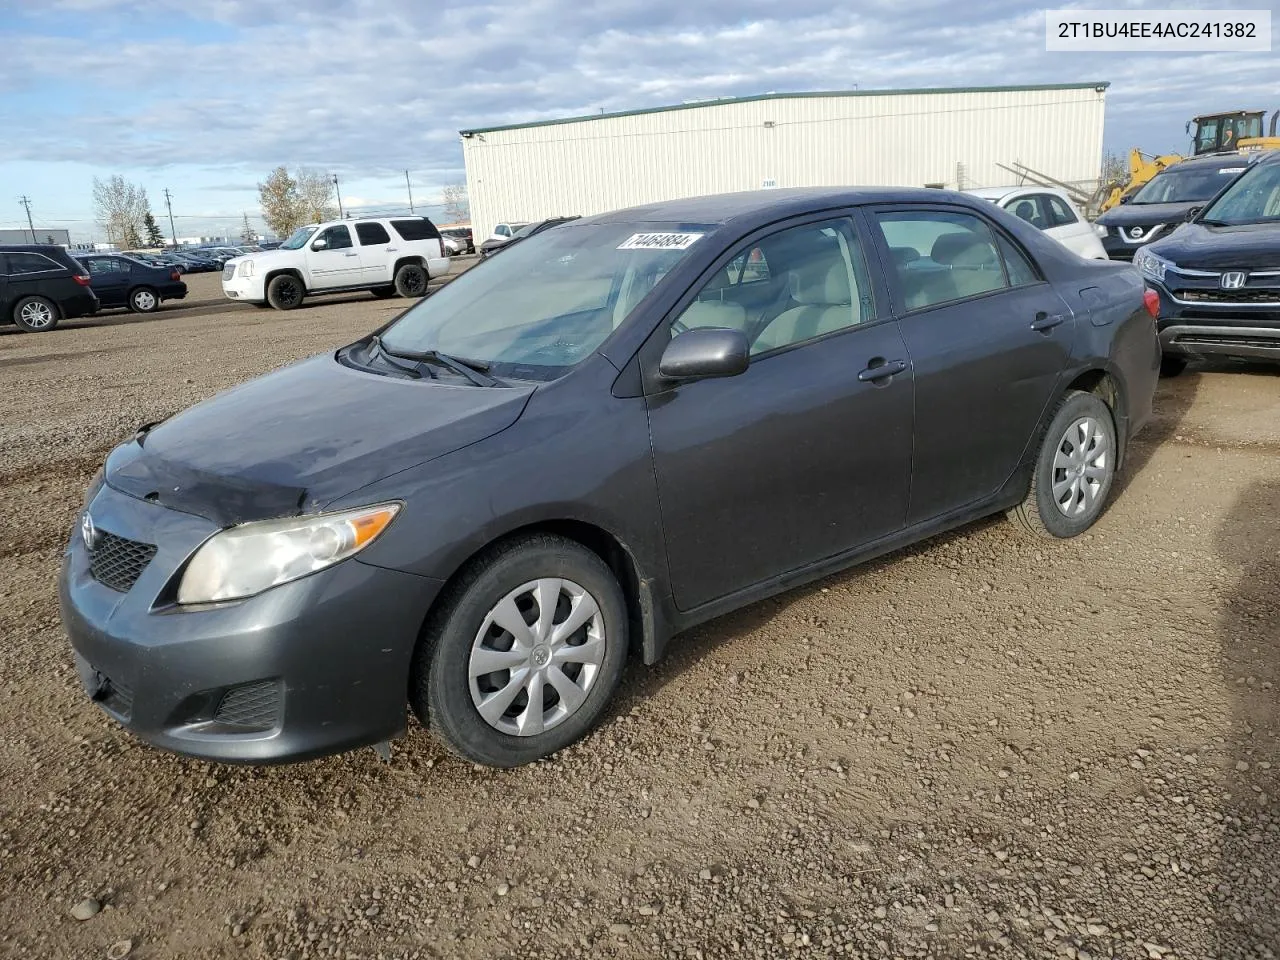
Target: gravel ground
x=977, y=747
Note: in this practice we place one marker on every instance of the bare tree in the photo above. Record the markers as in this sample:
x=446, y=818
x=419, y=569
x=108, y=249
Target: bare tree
x=456, y=206
x=315, y=195
x=278, y=196
x=122, y=208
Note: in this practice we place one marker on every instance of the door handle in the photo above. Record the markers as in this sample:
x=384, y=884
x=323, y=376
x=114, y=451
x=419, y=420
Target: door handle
x=1045, y=322
x=351, y=254
x=880, y=369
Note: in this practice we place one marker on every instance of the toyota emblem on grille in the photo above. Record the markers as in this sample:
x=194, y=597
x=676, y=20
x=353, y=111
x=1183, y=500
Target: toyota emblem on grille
x=1233, y=280
x=88, y=532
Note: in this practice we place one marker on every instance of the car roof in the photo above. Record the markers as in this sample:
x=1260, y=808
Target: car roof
x=30, y=248
x=999, y=193
x=1225, y=159
x=773, y=204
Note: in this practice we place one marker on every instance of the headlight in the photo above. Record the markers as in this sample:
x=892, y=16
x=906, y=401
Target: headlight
x=245, y=560
x=1099, y=229
x=245, y=269
x=1150, y=265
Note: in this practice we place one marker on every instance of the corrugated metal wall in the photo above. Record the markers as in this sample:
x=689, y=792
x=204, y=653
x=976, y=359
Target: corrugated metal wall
x=910, y=139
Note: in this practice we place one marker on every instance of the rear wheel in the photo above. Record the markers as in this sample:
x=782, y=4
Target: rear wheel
x=523, y=654
x=1171, y=366
x=144, y=300
x=35, y=314
x=285, y=292
x=411, y=280
x=1074, y=470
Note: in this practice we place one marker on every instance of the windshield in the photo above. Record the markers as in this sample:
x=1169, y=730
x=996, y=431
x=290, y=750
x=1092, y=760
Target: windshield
x=1254, y=198
x=298, y=237
x=1185, y=186
x=546, y=304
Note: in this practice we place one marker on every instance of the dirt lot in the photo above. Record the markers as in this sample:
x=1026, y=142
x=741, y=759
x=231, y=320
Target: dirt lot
x=981, y=746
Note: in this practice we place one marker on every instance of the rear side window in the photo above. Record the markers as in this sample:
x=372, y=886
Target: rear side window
x=419, y=228
x=1059, y=213
x=1019, y=267
x=941, y=256
x=372, y=233
x=22, y=263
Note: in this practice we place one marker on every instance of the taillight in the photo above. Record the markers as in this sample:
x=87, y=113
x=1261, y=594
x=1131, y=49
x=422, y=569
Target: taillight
x=1151, y=300
x=174, y=275
x=81, y=279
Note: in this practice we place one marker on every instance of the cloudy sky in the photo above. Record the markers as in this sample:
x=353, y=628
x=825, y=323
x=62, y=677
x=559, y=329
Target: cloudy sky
x=204, y=97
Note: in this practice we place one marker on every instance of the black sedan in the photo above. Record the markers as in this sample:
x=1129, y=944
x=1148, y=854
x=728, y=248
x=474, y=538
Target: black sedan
x=1218, y=277
x=618, y=429
x=494, y=244
x=122, y=281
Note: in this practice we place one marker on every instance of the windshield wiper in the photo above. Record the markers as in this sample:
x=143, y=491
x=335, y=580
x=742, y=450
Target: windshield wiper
x=415, y=370
x=473, y=370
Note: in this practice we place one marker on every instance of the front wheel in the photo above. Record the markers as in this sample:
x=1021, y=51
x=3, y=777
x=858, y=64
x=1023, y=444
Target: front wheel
x=35, y=314
x=285, y=292
x=1074, y=470
x=523, y=654
x=411, y=280
x=144, y=300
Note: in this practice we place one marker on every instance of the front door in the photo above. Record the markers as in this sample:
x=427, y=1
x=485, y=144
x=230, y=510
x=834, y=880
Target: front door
x=109, y=278
x=332, y=259
x=988, y=340
x=805, y=455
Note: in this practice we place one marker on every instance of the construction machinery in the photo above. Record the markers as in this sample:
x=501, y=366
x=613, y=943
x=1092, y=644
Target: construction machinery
x=1234, y=130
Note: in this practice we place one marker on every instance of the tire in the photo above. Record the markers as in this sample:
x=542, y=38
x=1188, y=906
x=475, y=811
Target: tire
x=446, y=698
x=144, y=300
x=411, y=281
x=285, y=292
x=35, y=314
x=1171, y=366
x=1058, y=504
x=382, y=293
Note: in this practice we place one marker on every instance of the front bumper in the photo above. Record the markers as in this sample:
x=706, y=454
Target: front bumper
x=308, y=668
x=249, y=289
x=1200, y=319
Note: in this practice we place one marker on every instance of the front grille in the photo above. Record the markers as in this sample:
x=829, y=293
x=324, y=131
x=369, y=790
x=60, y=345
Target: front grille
x=1271, y=297
x=117, y=562
x=228, y=271
x=253, y=705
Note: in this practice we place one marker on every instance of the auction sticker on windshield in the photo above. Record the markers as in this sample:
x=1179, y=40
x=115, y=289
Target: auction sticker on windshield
x=659, y=241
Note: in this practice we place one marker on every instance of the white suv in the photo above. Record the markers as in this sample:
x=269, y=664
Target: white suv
x=386, y=256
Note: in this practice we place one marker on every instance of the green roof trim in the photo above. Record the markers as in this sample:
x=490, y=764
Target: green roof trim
x=723, y=101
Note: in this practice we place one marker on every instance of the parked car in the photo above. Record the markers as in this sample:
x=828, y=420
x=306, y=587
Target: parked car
x=125, y=281
x=1049, y=210
x=492, y=245
x=458, y=239
x=612, y=432
x=1161, y=205
x=1218, y=277
x=385, y=255
x=501, y=235
x=40, y=285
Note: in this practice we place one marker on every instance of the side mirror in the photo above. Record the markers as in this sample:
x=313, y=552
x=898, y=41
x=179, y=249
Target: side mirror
x=320, y=244
x=1192, y=214
x=705, y=352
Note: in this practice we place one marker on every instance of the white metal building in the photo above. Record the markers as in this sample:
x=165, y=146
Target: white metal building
x=949, y=137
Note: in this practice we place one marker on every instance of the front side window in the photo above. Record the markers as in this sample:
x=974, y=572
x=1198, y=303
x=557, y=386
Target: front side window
x=371, y=234
x=550, y=301
x=1026, y=208
x=335, y=238
x=1254, y=198
x=806, y=282
x=945, y=256
x=103, y=266
x=503, y=230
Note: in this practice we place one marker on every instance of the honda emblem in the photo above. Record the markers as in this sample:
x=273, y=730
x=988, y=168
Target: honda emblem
x=1233, y=280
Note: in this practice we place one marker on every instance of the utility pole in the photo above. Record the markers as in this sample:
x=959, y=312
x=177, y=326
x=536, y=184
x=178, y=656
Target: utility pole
x=410, y=187
x=26, y=202
x=173, y=233
x=339, y=193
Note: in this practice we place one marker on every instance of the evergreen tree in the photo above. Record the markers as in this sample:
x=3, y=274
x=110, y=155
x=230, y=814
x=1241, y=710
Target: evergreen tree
x=153, y=235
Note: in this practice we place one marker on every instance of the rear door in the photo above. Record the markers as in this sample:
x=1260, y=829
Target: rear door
x=376, y=256
x=332, y=259
x=988, y=340
x=805, y=455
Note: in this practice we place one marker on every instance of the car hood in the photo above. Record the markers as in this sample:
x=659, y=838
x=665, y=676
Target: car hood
x=1147, y=214
x=297, y=439
x=1249, y=246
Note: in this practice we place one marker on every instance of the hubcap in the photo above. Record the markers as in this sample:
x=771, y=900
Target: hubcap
x=1081, y=467
x=144, y=300
x=536, y=656
x=37, y=314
